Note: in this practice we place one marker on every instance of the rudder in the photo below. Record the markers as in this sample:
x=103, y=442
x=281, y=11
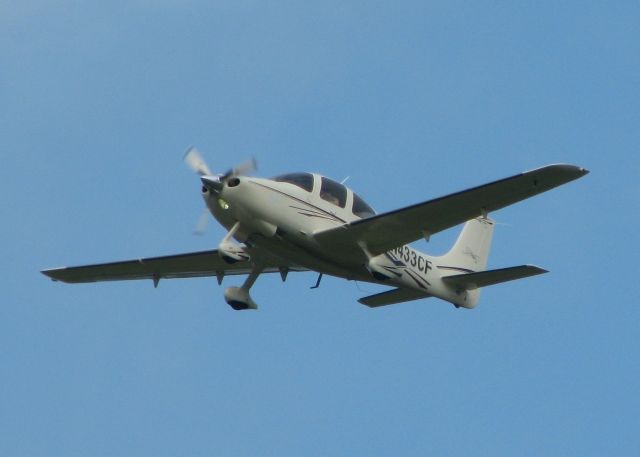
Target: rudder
x=471, y=250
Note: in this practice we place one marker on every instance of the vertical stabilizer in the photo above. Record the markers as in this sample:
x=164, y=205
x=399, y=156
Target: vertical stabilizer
x=471, y=250
x=469, y=254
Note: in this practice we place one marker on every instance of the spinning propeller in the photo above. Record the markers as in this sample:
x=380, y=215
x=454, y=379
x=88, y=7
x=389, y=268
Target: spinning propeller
x=246, y=167
x=211, y=182
x=194, y=160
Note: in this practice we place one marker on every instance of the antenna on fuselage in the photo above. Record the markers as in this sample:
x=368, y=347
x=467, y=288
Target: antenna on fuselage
x=317, y=282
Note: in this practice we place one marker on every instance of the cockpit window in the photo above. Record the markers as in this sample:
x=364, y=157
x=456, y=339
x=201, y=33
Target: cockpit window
x=333, y=192
x=361, y=209
x=302, y=180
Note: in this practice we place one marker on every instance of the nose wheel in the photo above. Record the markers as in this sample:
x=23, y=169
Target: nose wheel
x=238, y=297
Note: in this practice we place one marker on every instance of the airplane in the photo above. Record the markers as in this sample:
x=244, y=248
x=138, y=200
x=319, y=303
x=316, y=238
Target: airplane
x=307, y=222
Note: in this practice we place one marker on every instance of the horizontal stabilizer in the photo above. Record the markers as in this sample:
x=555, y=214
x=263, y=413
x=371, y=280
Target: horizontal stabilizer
x=470, y=281
x=391, y=297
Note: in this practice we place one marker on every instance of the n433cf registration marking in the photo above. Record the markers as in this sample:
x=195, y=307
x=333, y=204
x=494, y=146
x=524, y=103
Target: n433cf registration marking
x=413, y=258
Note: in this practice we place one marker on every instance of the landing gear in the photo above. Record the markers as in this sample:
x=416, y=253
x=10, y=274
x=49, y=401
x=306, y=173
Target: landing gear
x=232, y=252
x=379, y=266
x=238, y=297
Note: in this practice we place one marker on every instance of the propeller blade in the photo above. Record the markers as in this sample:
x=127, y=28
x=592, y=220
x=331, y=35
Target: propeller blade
x=244, y=168
x=194, y=160
x=203, y=221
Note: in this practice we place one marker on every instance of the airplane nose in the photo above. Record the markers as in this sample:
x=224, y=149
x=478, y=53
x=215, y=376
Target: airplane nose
x=212, y=183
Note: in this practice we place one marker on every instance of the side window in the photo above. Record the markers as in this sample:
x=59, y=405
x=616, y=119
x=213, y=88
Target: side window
x=361, y=209
x=302, y=180
x=333, y=192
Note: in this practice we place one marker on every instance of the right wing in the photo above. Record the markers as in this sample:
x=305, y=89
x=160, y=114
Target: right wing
x=189, y=265
x=386, y=231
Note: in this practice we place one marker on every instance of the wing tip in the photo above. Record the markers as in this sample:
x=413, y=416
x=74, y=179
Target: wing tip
x=568, y=170
x=53, y=273
x=572, y=169
x=536, y=270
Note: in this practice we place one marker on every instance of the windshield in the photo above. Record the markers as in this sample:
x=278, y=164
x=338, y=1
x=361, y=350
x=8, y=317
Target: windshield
x=302, y=180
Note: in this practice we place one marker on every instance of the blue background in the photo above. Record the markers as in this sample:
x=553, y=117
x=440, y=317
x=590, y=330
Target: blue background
x=412, y=100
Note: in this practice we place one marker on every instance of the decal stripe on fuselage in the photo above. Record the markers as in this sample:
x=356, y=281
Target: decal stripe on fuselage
x=322, y=212
x=463, y=270
x=405, y=259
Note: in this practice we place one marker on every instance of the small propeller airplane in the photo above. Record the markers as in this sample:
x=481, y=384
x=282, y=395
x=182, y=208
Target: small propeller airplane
x=307, y=222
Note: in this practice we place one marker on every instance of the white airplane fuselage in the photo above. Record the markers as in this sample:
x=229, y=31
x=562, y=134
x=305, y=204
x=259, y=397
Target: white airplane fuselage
x=281, y=218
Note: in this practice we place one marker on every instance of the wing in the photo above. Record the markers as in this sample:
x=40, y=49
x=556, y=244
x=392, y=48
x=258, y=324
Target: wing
x=190, y=265
x=386, y=231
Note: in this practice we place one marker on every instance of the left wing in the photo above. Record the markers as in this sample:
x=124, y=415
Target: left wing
x=386, y=231
x=189, y=265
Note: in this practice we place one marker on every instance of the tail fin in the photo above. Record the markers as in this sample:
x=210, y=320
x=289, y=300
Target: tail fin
x=471, y=250
x=469, y=254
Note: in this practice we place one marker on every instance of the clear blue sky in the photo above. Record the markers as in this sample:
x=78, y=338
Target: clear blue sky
x=98, y=101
